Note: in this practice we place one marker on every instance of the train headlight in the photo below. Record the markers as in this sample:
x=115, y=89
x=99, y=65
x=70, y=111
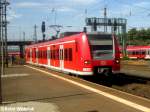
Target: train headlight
x=117, y=61
x=87, y=62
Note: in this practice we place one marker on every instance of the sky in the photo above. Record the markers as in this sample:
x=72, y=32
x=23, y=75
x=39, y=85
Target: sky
x=24, y=14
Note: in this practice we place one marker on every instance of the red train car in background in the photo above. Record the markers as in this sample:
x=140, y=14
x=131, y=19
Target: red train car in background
x=78, y=53
x=138, y=52
x=15, y=54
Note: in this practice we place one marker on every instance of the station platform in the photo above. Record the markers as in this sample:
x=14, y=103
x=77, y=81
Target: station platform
x=41, y=90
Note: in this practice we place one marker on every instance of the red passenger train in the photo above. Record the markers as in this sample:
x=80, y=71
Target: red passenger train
x=80, y=54
x=138, y=52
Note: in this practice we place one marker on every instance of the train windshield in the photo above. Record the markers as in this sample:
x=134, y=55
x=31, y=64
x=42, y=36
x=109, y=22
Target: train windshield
x=101, y=46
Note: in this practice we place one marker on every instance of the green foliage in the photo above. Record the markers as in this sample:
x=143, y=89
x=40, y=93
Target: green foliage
x=125, y=58
x=138, y=37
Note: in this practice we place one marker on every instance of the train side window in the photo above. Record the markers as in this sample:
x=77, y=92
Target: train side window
x=57, y=54
x=70, y=54
x=143, y=52
x=54, y=54
x=39, y=54
x=51, y=54
x=65, y=54
x=45, y=54
x=137, y=52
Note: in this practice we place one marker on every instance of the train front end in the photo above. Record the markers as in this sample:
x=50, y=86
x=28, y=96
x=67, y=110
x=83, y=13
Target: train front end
x=105, y=55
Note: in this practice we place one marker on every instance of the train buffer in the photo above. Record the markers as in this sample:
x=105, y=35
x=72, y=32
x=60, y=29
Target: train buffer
x=41, y=90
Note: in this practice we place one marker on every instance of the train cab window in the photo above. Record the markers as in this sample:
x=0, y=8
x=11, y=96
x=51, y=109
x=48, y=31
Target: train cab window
x=101, y=46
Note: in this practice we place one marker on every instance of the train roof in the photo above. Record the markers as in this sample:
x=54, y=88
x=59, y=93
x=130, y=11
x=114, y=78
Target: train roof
x=137, y=47
x=67, y=36
x=56, y=40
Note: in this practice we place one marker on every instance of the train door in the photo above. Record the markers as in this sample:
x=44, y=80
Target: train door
x=48, y=56
x=61, y=56
x=30, y=55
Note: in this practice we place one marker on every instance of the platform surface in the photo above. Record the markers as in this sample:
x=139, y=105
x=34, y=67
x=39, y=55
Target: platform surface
x=39, y=92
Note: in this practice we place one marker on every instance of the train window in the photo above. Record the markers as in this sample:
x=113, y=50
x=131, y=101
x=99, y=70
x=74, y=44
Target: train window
x=66, y=54
x=143, y=52
x=101, y=46
x=62, y=55
x=76, y=47
x=57, y=54
x=54, y=54
x=45, y=54
x=70, y=54
x=137, y=52
x=39, y=54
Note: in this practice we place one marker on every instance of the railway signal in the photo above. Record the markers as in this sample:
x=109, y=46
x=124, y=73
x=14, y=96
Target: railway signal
x=43, y=30
x=114, y=23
